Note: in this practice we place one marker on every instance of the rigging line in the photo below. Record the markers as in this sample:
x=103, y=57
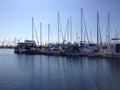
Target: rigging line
x=58, y=28
x=51, y=36
x=48, y=33
x=68, y=30
x=71, y=29
x=86, y=29
x=81, y=24
x=77, y=36
x=35, y=32
x=65, y=31
x=109, y=27
x=32, y=30
x=40, y=33
x=61, y=29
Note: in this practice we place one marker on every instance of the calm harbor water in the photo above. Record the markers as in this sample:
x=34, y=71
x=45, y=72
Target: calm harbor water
x=41, y=72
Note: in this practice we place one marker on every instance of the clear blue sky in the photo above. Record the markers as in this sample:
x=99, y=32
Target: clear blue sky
x=15, y=16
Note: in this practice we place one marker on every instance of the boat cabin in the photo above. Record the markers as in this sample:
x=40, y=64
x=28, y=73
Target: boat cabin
x=115, y=46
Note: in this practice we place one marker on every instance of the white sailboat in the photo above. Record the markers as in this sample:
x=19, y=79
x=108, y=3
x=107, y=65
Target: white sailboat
x=97, y=51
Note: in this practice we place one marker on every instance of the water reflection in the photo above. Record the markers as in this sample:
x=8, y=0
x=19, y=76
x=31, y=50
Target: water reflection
x=33, y=72
x=60, y=72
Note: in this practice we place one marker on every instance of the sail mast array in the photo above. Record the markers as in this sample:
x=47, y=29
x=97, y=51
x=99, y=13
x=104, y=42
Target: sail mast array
x=67, y=35
x=70, y=49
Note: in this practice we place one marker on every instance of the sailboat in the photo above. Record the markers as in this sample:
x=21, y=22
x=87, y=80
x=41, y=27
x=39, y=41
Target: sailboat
x=83, y=44
x=97, y=51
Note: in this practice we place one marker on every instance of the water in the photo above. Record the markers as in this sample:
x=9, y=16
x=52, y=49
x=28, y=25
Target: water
x=40, y=72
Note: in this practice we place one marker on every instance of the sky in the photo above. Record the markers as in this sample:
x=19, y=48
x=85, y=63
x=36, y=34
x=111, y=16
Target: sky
x=16, y=17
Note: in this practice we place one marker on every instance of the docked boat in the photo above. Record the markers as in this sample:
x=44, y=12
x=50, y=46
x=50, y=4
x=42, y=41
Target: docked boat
x=28, y=46
x=20, y=48
x=113, y=49
x=96, y=53
x=84, y=49
x=72, y=50
x=97, y=50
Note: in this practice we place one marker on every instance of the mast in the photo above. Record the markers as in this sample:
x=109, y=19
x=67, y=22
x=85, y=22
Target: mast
x=85, y=29
x=81, y=24
x=32, y=29
x=70, y=29
x=91, y=35
x=97, y=29
x=40, y=33
x=108, y=29
x=77, y=36
x=58, y=27
x=84, y=37
x=48, y=33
